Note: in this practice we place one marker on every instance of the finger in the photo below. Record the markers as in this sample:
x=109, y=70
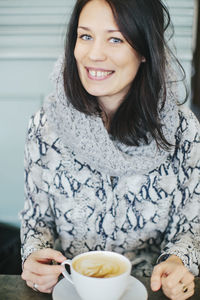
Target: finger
x=176, y=275
x=187, y=278
x=170, y=289
x=177, y=291
x=183, y=296
x=180, y=274
x=45, y=288
x=43, y=269
x=40, y=280
x=156, y=277
x=171, y=292
x=187, y=288
x=29, y=283
x=48, y=287
x=190, y=291
x=49, y=254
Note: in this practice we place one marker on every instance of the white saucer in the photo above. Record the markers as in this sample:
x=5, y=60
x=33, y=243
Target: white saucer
x=65, y=290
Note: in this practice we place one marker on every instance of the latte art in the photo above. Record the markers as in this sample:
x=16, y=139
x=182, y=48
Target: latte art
x=99, y=266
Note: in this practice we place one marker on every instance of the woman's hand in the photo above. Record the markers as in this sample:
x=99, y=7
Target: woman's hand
x=38, y=271
x=176, y=281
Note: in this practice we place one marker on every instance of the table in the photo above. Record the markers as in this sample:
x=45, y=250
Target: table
x=12, y=287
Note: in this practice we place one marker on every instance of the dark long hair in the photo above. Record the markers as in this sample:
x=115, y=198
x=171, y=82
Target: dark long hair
x=143, y=24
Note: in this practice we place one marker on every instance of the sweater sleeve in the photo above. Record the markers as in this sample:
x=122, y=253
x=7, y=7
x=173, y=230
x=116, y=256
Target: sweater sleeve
x=182, y=236
x=37, y=221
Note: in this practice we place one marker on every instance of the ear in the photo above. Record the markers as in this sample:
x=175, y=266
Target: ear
x=143, y=59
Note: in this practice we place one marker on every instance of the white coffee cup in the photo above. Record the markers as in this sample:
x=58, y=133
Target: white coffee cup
x=88, y=268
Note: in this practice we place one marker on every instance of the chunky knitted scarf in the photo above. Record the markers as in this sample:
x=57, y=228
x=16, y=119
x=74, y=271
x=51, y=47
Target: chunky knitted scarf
x=87, y=137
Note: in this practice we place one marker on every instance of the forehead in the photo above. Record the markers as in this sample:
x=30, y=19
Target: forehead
x=97, y=13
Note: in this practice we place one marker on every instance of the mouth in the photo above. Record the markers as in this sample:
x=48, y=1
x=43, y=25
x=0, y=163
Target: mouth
x=99, y=74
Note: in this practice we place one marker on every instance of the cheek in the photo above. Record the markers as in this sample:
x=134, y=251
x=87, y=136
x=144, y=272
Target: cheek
x=131, y=70
x=129, y=62
x=78, y=60
x=136, y=66
x=135, y=63
x=78, y=53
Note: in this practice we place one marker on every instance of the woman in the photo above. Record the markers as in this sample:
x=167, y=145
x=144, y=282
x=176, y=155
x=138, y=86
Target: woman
x=111, y=161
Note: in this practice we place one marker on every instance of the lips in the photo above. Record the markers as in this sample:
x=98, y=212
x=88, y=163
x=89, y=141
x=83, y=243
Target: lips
x=98, y=74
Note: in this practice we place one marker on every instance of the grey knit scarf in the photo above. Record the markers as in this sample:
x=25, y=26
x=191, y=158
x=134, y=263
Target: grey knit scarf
x=87, y=137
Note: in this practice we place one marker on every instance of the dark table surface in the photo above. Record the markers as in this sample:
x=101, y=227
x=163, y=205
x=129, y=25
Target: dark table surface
x=13, y=287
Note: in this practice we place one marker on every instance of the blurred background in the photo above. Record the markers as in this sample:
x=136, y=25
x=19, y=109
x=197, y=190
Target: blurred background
x=31, y=38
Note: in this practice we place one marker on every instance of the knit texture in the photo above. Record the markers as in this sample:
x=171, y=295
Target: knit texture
x=90, y=141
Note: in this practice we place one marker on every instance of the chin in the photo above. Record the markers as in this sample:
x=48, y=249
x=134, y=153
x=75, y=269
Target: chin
x=95, y=92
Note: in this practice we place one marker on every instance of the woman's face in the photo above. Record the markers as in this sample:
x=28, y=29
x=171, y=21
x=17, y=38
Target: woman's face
x=106, y=62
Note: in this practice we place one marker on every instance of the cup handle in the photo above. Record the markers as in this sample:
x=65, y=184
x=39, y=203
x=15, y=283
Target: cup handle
x=65, y=273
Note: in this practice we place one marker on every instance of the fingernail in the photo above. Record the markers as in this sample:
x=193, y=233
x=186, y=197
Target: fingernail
x=154, y=285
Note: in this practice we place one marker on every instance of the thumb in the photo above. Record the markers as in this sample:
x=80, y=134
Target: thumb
x=156, y=277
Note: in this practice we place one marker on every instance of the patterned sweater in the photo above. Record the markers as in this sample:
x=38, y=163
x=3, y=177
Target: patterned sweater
x=140, y=216
x=89, y=192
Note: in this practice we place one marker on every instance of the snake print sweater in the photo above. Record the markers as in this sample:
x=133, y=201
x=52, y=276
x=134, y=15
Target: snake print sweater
x=141, y=215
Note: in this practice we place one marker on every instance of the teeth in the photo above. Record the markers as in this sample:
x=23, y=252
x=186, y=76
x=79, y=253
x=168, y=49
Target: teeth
x=99, y=73
x=93, y=73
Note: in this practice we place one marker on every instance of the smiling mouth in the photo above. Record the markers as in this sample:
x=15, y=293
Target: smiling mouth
x=96, y=74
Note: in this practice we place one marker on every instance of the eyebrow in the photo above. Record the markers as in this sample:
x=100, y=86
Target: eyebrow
x=88, y=29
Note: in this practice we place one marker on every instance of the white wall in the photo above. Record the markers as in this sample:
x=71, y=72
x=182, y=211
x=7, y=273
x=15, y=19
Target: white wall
x=31, y=38
x=182, y=15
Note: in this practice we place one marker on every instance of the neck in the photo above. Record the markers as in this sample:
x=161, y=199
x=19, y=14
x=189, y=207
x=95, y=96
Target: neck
x=109, y=106
x=107, y=113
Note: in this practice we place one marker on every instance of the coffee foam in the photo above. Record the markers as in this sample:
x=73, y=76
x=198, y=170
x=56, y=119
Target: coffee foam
x=99, y=266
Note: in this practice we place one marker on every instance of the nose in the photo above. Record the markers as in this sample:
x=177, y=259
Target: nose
x=97, y=51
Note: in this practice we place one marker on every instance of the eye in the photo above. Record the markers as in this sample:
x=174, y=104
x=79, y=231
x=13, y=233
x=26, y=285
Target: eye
x=115, y=40
x=85, y=37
